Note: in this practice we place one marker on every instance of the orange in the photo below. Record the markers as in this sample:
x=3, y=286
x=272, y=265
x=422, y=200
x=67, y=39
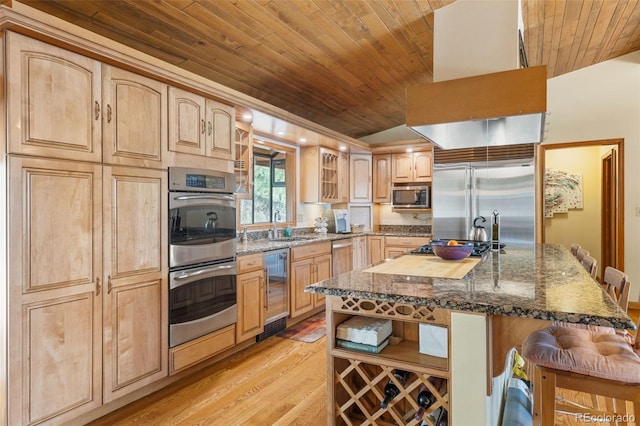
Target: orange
x=453, y=243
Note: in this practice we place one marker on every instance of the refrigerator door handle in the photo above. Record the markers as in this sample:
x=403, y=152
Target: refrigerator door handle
x=470, y=209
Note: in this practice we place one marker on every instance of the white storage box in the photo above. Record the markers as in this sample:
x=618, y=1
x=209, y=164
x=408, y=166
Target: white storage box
x=370, y=331
x=434, y=340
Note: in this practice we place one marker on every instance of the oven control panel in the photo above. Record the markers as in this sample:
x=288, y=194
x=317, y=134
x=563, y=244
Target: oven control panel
x=200, y=180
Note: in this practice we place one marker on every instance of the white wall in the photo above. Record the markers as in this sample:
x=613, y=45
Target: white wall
x=603, y=102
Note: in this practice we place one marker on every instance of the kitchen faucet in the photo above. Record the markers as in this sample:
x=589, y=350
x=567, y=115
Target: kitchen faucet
x=276, y=218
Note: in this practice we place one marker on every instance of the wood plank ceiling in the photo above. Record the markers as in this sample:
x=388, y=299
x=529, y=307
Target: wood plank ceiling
x=343, y=64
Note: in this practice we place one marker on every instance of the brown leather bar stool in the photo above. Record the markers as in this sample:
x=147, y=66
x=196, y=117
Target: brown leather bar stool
x=591, y=265
x=591, y=359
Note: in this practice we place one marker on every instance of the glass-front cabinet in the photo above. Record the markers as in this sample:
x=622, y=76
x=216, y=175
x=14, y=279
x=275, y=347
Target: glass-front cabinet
x=242, y=165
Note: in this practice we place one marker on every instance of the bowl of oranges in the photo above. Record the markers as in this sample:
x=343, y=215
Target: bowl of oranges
x=452, y=249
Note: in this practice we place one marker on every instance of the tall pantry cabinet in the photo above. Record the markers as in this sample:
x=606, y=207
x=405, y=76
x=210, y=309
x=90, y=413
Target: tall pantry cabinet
x=87, y=258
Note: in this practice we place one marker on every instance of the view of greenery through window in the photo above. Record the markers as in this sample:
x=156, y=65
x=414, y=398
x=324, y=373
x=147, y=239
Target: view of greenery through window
x=269, y=190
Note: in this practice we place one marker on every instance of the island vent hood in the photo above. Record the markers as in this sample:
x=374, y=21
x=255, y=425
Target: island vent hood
x=482, y=93
x=502, y=108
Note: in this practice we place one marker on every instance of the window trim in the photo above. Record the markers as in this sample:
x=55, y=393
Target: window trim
x=290, y=184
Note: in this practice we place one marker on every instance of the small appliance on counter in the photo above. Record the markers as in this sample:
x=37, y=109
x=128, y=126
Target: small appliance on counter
x=338, y=221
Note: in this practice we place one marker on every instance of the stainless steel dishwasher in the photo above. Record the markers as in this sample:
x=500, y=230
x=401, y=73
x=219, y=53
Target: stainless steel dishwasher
x=277, y=292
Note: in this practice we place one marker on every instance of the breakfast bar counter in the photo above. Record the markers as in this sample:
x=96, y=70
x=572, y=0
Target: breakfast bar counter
x=500, y=298
x=543, y=281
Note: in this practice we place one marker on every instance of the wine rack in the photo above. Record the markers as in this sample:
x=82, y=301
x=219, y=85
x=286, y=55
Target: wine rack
x=359, y=389
x=360, y=377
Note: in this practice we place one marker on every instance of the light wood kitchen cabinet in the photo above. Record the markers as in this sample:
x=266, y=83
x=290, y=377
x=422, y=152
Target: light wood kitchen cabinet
x=396, y=246
x=135, y=276
x=65, y=105
x=134, y=119
x=319, y=175
x=53, y=101
x=309, y=264
x=250, y=284
x=360, y=168
x=243, y=164
x=200, y=126
x=382, y=178
x=359, y=253
x=343, y=177
x=375, y=249
x=55, y=291
x=411, y=167
x=88, y=263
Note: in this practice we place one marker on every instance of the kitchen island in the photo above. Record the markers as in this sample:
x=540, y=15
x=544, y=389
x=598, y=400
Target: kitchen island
x=508, y=294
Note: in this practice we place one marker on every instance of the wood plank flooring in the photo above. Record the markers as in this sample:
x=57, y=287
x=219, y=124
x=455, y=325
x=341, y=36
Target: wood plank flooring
x=275, y=382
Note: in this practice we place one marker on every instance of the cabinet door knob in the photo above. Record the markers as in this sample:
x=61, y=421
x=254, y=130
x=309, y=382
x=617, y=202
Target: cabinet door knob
x=202, y=123
x=108, y=113
x=98, y=287
x=96, y=110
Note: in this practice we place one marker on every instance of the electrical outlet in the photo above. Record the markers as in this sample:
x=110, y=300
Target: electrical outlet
x=300, y=217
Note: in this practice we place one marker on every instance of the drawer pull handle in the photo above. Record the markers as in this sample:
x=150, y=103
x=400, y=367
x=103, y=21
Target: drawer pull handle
x=96, y=110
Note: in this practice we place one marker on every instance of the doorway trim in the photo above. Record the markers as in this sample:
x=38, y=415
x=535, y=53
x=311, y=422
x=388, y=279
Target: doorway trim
x=619, y=144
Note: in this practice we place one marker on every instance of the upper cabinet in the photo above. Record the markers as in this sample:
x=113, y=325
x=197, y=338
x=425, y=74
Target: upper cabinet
x=411, y=167
x=343, y=177
x=200, y=126
x=64, y=105
x=319, y=175
x=360, y=168
x=382, y=178
x=243, y=163
x=54, y=101
x=134, y=119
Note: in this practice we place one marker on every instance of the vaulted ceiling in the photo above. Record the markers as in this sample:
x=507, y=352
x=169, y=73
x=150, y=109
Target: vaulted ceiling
x=344, y=64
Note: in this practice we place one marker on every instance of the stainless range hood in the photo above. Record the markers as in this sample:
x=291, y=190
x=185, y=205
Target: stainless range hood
x=502, y=108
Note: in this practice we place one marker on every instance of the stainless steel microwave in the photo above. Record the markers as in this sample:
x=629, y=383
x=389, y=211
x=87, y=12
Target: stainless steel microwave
x=411, y=197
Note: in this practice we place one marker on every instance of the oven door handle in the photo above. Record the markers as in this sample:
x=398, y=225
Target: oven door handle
x=204, y=197
x=188, y=275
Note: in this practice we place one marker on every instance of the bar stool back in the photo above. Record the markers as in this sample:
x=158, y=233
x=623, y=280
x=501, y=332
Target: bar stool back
x=574, y=249
x=581, y=253
x=616, y=284
x=591, y=265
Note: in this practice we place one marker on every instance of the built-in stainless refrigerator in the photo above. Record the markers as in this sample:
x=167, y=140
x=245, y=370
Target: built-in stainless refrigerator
x=464, y=191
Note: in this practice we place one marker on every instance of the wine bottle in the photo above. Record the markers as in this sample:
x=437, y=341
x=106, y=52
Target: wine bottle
x=425, y=398
x=391, y=390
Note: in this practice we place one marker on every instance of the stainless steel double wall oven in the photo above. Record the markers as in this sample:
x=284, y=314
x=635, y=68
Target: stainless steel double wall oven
x=202, y=251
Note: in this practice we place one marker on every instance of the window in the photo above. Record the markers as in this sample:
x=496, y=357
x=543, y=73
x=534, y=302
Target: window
x=273, y=186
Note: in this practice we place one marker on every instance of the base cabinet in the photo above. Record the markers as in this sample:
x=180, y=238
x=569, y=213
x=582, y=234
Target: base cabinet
x=397, y=246
x=251, y=290
x=358, y=378
x=375, y=249
x=309, y=264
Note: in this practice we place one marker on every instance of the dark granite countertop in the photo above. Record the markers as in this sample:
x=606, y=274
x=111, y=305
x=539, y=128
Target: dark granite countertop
x=542, y=281
x=262, y=245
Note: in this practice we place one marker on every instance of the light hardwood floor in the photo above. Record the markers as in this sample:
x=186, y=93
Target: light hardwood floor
x=275, y=382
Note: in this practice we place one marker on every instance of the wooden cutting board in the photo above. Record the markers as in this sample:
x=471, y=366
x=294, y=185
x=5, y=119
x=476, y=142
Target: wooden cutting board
x=426, y=266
